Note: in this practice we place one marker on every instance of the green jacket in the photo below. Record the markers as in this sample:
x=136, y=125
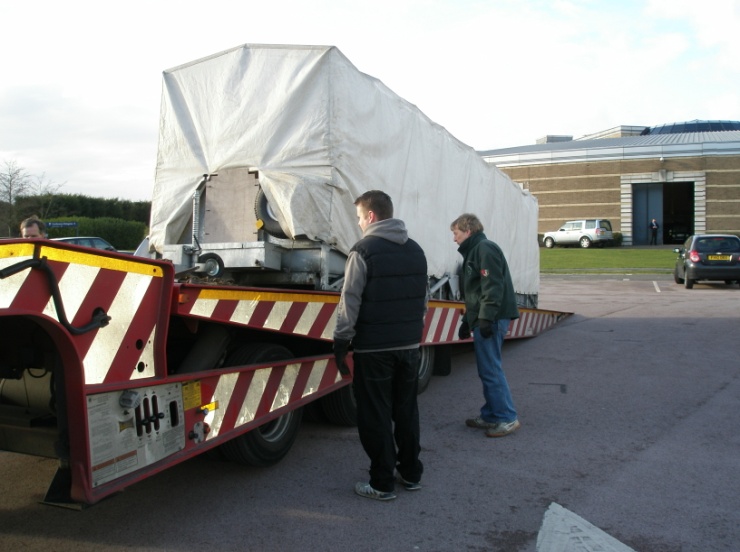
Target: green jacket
x=487, y=287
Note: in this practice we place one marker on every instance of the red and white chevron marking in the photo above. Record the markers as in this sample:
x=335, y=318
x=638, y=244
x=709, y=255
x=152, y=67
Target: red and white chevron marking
x=441, y=323
x=239, y=398
x=531, y=322
x=307, y=314
x=129, y=292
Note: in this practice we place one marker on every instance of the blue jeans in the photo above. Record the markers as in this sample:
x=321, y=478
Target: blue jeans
x=385, y=386
x=499, y=406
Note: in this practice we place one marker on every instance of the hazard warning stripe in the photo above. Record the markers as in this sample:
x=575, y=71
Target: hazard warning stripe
x=311, y=315
x=441, y=322
x=245, y=396
x=532, y=322
x=130, y=293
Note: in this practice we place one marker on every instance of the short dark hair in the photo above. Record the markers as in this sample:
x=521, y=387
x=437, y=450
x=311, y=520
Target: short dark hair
x=30, y=221
x=378, y=202
x=467, y=221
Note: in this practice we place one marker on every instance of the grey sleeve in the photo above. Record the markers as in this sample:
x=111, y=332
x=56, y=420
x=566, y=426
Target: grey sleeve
x=355, y=276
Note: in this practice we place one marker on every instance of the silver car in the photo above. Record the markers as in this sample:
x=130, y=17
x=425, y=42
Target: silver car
x=584, y=232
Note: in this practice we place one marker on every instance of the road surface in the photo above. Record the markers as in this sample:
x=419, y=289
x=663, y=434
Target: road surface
x=629, y=421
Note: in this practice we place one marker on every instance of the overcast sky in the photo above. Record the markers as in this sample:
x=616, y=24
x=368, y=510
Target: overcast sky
x=80, y=81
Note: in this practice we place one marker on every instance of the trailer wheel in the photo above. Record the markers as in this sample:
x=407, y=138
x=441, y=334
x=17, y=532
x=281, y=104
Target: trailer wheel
x=270, y=442
x=340, y=407
x=426, y=368
x=213, y=265
x=264, y=212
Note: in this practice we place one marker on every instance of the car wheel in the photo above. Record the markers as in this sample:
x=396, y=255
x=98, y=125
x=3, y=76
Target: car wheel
x=585, y=242
x=676, y=278
x=549, y=243
x=688, y=282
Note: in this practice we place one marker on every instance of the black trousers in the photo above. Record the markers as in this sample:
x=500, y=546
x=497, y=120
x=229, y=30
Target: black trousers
x=385, y=386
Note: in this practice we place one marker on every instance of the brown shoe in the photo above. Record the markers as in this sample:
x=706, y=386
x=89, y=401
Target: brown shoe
x=503, y=429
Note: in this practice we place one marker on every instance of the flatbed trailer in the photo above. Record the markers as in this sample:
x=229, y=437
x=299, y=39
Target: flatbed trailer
x=119, y=371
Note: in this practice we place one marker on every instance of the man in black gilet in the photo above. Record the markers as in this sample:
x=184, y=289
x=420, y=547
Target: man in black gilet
x=381, y=313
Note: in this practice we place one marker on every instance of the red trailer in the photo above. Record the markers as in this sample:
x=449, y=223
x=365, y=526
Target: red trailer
x=111, y=366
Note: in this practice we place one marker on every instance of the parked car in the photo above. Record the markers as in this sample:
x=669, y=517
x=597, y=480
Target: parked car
x=708, y=257
x=584, y=232
x=97, y=243
x=676, y=232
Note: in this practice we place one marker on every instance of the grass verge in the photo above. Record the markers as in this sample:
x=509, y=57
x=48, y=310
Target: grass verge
x=609, y=260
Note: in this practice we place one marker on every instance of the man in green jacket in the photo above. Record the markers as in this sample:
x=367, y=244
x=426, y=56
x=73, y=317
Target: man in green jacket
x=490, y=305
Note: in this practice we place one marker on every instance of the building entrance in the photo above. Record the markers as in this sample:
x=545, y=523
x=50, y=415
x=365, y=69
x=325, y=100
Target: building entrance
x=670, y=204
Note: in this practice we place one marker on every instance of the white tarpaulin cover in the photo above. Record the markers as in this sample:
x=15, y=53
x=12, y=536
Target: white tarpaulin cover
x=321, y=133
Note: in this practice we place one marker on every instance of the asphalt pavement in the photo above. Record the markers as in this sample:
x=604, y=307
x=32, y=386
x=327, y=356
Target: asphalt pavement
x=629, y=424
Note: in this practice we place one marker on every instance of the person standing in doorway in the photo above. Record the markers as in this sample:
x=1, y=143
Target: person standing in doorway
x=490, y=305
x=381, y=314
x=654, y=232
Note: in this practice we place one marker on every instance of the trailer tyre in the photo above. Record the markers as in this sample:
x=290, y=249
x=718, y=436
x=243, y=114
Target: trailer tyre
x=213, y=265
x=426, y=368
x=340, y=407
x=264, y=212
x=270, y=442
x=267, y=444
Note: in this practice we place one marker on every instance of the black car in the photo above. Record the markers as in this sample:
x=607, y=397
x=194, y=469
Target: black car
x=676, y=232
x=708, y=257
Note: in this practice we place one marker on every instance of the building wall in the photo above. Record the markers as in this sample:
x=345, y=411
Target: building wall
x=568, y=191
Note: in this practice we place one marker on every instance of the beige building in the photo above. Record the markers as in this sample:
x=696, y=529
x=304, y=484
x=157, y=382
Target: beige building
x=685, y=175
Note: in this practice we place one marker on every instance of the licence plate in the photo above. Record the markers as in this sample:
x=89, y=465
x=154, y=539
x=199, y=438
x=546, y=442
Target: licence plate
x=719, y=257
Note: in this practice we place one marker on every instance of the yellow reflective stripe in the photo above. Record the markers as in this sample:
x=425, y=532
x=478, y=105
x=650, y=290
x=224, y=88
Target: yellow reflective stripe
x=91, y=259
x=251, y=295
x=26, y=249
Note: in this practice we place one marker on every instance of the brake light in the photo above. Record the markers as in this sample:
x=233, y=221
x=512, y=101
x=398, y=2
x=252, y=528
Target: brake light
x=694, y=256
x=598, y=231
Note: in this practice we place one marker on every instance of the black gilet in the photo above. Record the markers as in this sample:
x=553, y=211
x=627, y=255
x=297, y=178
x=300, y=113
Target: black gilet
x=394, y=299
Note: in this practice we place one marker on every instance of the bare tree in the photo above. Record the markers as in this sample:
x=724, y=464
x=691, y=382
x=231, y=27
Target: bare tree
x=43, y=191
x=16, y=182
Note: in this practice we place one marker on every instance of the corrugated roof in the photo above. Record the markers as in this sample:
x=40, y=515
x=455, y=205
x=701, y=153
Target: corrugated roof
x=629, y=141
x=653, y=145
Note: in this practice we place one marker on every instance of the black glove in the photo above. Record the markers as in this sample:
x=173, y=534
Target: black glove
x=485, y=327
x=341, y=346
x=464, y=331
